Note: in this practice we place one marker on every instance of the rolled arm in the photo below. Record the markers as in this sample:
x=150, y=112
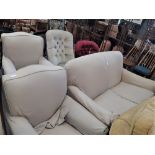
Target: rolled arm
x=21, y=126
x=137, y=80
x=8, y=66
x=98, y=111
x=82, y=119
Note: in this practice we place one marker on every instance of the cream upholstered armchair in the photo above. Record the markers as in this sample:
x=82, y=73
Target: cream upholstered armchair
x=21, y=49
x=101, y=85
x=37, y=104
x=59, y=46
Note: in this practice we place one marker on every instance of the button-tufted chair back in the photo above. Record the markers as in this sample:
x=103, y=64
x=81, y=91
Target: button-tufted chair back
x=59, y=46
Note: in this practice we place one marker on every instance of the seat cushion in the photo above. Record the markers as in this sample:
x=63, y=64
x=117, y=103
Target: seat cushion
x=132, y=93
x=113, y=102
x=63, y=129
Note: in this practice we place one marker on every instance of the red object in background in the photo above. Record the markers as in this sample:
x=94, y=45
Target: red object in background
x=85, y=47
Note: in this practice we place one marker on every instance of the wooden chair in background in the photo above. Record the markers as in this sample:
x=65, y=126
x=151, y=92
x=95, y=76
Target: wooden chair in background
x=146, y=66
x=133, y=56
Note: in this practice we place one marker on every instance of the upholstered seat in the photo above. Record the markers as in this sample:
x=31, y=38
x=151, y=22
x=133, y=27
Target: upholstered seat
x=59, y=46
x=37, y=104
x=101, y=85
x=132, y=93
x=113, y=102
x=21, y=49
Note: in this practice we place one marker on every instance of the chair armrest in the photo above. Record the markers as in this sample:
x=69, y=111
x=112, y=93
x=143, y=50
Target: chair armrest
x=8, y=66
x=20, y=126
x=44, y=61
x=82, y=119
x=98, y=111
x=137, y=80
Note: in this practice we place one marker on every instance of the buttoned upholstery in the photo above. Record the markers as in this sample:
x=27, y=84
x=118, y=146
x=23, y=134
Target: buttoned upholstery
x=59, y=46
x=20, y=49
x=99, y=80
x=36, y=95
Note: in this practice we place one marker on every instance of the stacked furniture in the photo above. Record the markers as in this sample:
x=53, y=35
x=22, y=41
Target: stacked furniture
x=99, y=31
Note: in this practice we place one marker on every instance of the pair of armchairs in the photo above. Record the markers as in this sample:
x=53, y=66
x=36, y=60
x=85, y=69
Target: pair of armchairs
x=99, y=89
x=15, y=45
x=36, y=92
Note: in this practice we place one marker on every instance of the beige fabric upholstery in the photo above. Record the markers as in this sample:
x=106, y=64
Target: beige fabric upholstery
x=88, y=72
x=20, y=49
x=63, y=129
x=132, y=93
x=113, y=102
x=57, y=119
x=27, y=90
x=21, y=126
x=8, y=66
x=59, y=46
x=81, y=119
x=44, y=61
x=139, y=81
x=101, y=113
x=36, y=98
x=102, y=82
